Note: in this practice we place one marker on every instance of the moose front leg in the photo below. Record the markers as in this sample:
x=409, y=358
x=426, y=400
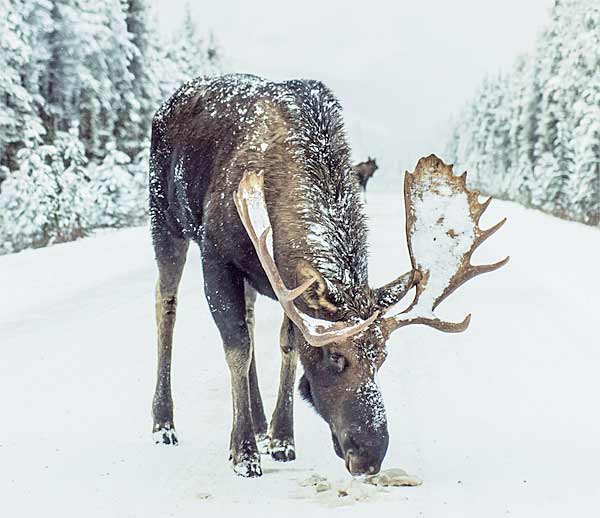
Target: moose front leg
x=224, y=290
x=281, y=430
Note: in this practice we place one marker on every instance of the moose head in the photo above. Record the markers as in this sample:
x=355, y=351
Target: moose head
x=341, y=336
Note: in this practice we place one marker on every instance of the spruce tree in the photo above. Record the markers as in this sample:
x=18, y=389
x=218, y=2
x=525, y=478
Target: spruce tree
x=535, y=137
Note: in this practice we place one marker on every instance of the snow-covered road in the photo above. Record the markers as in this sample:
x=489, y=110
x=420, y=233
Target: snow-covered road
x=499, y=421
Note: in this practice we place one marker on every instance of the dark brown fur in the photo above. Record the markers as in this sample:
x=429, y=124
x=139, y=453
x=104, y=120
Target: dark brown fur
x=204, y=138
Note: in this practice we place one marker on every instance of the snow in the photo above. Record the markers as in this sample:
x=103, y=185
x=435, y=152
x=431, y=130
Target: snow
x=498, y=421
x=370, y=395
x=441, y=236
x=532, y=135
x=79, y=83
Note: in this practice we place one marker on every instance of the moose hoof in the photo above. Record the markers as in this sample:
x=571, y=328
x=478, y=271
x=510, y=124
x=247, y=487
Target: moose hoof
x=262, y=443
x=246, y=465
x=282, y=450
x=165, y=435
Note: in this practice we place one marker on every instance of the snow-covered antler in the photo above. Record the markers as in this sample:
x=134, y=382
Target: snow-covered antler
x=442, y=231
x=252, y=208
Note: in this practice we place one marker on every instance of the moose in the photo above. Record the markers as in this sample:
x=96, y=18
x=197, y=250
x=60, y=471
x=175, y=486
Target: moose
x=258, y=174
x=365, y=170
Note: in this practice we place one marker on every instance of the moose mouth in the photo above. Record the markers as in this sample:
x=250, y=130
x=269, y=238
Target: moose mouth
x=357, y=468
x=354, y=465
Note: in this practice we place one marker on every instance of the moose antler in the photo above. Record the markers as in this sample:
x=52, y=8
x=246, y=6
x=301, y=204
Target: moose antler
x=252, y=208
x=442, y=231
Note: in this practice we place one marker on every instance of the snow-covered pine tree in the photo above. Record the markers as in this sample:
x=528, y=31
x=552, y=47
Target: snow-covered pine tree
x=526, y=96
x=79, y=83
x=58, y=85
x=554, y=124
x=497, y=148
x=116, y=191
x=88, y=70
x=74, y=199
x=582, y=51
x=133, y=130
x=38, y=18
x=19, y=120
x=26, y=202
x=536, y=137
x=188, y=55
x=48, y=199
x=480, y=145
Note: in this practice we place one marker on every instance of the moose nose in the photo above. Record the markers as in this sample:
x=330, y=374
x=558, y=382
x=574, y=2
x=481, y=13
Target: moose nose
x=364, y=450
x=358, y=465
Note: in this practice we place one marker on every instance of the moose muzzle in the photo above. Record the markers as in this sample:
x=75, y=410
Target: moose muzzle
x=362, y=450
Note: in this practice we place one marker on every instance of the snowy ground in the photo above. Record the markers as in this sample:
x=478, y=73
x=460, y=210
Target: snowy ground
x=499, y=421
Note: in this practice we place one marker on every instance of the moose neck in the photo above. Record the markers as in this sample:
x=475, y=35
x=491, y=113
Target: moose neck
x=316, y=206
x=333, y=220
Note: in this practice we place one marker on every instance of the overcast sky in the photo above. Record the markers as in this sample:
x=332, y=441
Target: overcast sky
x=401, y=69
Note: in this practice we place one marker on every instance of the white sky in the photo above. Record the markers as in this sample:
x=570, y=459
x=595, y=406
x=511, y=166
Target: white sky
x=401, y=69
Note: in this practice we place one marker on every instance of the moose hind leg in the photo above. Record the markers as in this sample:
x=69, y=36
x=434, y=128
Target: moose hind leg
x=170, y=255
x=224, y=290
x=281, y=430
x=259, y=420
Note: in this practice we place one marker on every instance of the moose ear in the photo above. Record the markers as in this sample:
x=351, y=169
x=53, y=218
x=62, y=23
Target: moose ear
x=317, y=296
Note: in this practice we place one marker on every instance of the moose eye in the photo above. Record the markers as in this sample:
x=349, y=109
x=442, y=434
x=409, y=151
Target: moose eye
x=337, y=362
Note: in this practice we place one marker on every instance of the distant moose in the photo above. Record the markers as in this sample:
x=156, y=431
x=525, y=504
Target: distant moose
x=259, y=175
x=364, y=171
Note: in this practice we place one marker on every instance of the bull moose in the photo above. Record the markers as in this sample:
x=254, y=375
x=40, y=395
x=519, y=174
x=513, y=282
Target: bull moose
x=259, y=175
